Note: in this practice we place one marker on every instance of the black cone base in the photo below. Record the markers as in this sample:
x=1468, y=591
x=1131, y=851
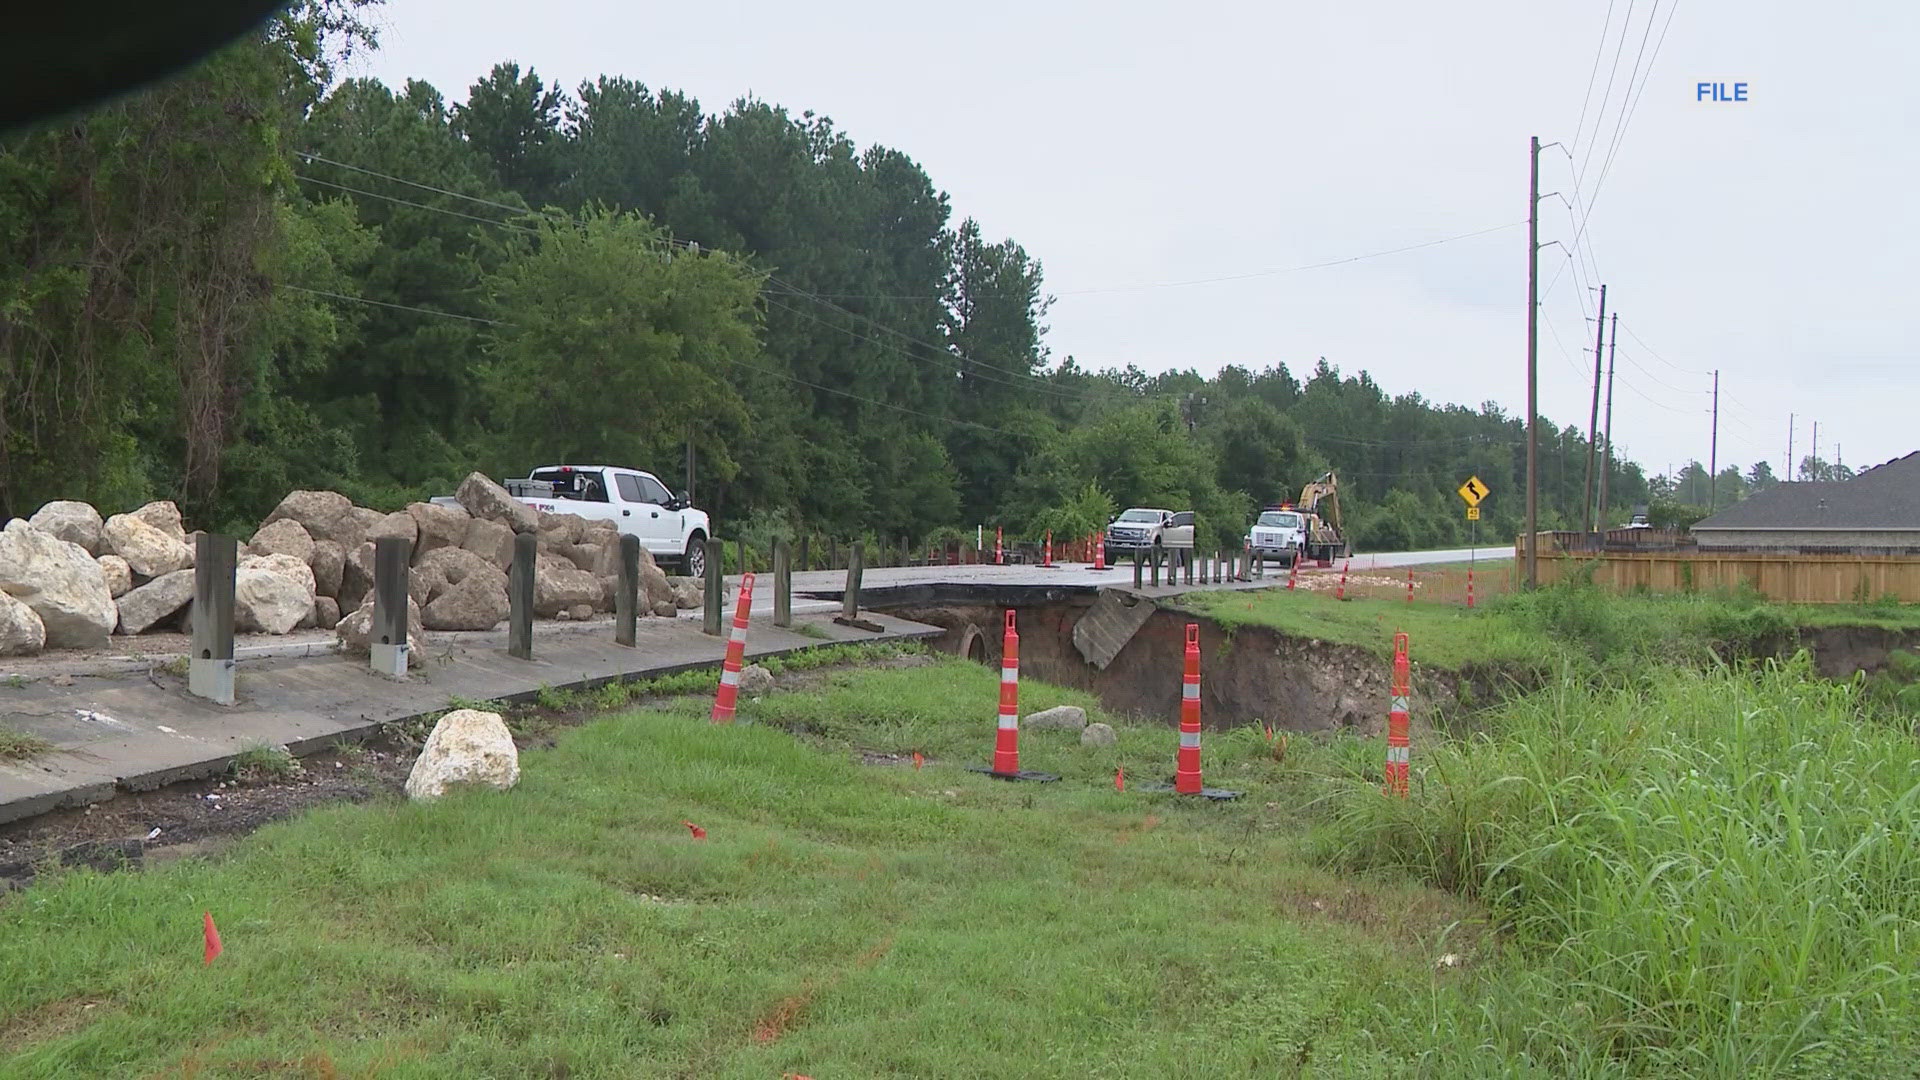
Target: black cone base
x=1216, y=794
x=1023, y=774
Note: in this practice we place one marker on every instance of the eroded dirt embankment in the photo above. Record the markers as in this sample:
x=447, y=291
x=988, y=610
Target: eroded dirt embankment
x=1249, y=675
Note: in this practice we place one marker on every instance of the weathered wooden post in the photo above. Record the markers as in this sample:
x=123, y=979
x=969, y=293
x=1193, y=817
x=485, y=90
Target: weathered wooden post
x=856, y=559
x=626, y=593
x=210, y=668
x=1186, y=563
x=1155, y=560
x=716, y=585
x=805, y=556
x=526, y=547
x=833, y=554
x=1136, y=568
x=740, y=556
x=782, y=584
x=388, y=635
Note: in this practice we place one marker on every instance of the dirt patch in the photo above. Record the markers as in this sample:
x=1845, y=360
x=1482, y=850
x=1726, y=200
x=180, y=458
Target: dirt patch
x=1841, y=651
x=1248, y=675
x=50, y=1021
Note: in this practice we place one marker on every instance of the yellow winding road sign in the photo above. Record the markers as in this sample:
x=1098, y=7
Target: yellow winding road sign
x=1473, y=491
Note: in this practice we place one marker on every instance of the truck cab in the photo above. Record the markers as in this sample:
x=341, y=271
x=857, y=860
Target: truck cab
x=1144, y=528
x=1279, y=533
x=666, y=523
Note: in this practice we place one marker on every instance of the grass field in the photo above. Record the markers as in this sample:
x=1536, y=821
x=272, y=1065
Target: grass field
x=1700, y=872
x=838, y=920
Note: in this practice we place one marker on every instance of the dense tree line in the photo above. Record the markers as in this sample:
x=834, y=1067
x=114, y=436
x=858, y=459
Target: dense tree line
x=255, y=277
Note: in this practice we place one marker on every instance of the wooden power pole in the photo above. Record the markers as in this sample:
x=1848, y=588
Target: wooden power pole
x=1593, y=414
x=1606, y=468
x=1713, y=448
x=1533, y=389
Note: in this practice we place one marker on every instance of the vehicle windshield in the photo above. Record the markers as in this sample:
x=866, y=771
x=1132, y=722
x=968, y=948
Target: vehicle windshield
x=1280, y=519
x=1141, y=515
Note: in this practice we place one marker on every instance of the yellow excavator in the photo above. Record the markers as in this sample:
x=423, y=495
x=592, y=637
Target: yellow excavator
x=1325, y=541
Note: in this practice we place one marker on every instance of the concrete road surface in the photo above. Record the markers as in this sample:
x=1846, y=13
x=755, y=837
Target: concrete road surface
x=1370, y=560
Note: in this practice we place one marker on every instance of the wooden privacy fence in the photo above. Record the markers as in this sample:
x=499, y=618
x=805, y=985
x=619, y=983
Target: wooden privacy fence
x=1790, y=579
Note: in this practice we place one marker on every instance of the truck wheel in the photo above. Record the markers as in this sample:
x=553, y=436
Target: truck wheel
x=694, y=564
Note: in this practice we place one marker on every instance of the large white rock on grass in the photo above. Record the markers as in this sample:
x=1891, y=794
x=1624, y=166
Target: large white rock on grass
x=147, y=606
x=468, y=748
x=21, y=631
x=74, y=522
x=63, y=585
x=150, y=551
x=1058, y=718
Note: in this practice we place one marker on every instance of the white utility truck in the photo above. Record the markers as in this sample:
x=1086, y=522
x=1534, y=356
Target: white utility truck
x=668, y=526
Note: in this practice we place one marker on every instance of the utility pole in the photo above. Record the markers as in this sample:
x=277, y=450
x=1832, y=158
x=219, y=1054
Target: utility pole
x=689, y=462
x=1816, y=450
x=1713, y=448
x=1593, y=414
x=1533, y=345
x=1607, y=468
x=1788, y=476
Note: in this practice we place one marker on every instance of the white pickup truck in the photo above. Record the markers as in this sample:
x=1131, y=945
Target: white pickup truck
x=1145, y=529
x=668, y=526
x=1280, y=534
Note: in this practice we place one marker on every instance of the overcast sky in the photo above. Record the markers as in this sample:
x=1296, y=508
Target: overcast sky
x=1129, y=145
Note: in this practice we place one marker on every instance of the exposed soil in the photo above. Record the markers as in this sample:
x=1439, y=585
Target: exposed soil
x=196, y=817
x=1250, y=675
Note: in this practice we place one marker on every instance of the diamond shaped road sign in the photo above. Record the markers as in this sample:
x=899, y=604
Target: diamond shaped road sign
x=1473, y=491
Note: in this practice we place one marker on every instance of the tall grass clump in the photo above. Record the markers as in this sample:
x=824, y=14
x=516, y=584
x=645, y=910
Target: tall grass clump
x=1711, y=872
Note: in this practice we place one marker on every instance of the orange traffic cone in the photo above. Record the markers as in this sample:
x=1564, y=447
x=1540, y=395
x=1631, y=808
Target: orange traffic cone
x=1399, y=741
x=729, y=692
x=1006, y=743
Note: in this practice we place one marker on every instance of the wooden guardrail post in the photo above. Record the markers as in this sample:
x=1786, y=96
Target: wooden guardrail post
x=716, y=585
x=388, y=635
x=526, y=547
x=210, y=668
x=782, y=584
x=856, y=560
x=626, y=594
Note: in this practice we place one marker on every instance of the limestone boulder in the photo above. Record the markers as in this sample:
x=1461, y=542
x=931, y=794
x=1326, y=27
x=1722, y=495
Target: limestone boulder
x=1059, y=718
x=74, y=522
x=267, y=601
x=664, y=611
x=490, y=540
x=153, y=603
x=688, y=593
x=326, y=612
x=354, y=632
x=326, y=515
x=165, y=516
x=150, y=551
x=328, y=562
x=559, y=585
x=560, y=529
x=580, y=612
x=61, y=582
x=356, y=577
x=284, y=537
x=119, y=574
x=193, y=547
x=485, y=499
x=478, y=601
x=468, y=748
x=21, y=631
x=755, y=679
x=438, y=526
x=398, y=525
x=297, y=569
x=584, y=556
x=456, y=565
x=1098, y=734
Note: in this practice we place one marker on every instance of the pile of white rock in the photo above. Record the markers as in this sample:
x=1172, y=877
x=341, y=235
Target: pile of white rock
x=68, y=578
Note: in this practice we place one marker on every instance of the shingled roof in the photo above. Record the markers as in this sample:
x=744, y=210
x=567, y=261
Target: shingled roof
x=1883, y=497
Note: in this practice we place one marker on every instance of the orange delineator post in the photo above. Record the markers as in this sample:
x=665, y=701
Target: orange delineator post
x=1099, y=551
x=1341, y=592
x=1293, y=572
x=998, y=558
x=1046, y=557
x=1409, y=584
x=1186, y=774
x=1399, y=742
x=1469, y=587
x=729, y=692
x=1006, y=743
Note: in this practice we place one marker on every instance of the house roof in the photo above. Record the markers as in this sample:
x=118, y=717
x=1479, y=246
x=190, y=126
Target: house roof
x=1883, y=497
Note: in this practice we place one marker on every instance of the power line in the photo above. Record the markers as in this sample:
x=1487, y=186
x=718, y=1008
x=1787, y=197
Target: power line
x=1620, y=133
x=1608, y=92
x=1643, y=370
x=416, y=205
x=396, y=307
x=1599, y=48
x=1656, y=355
x=416, y=184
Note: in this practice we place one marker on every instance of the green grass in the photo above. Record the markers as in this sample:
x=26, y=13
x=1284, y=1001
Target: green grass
x=18, y=745
x=839, y=920
x=1567, y=624
x=264, y=763
x=1714, y=873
